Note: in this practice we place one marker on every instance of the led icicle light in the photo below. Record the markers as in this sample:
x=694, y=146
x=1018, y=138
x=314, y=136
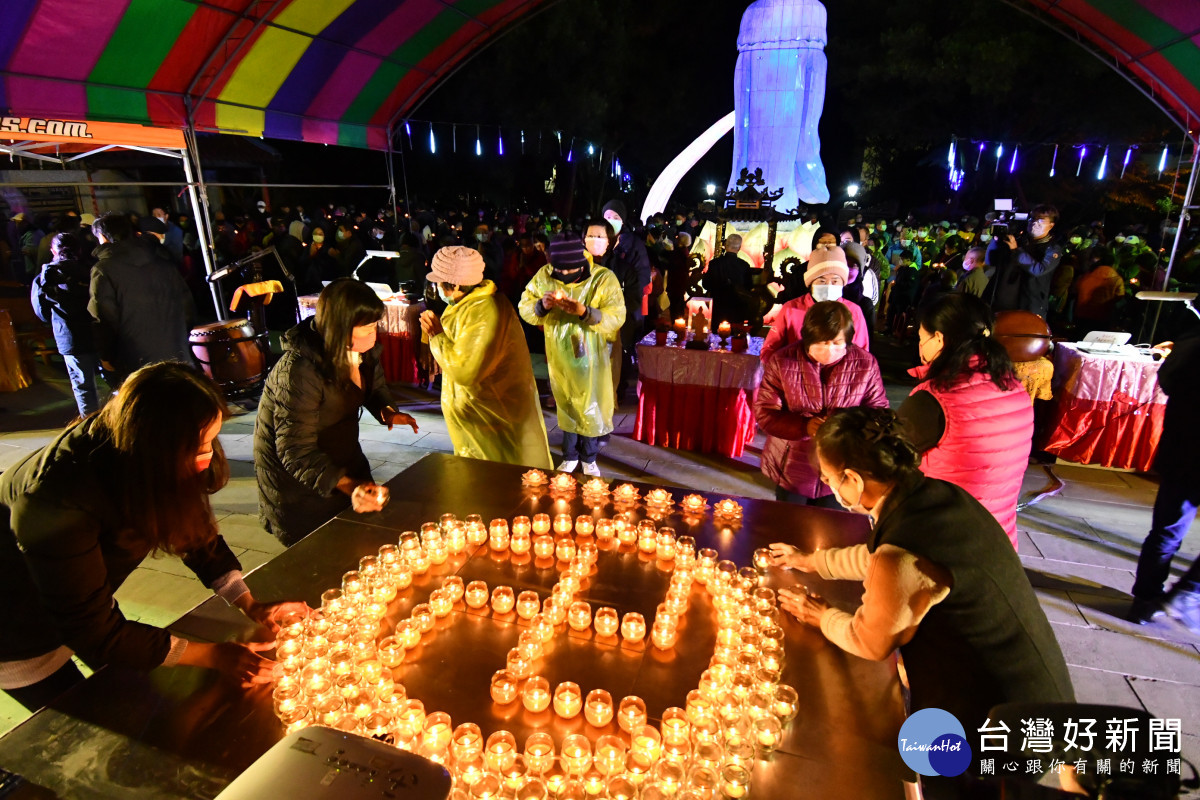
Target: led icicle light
x=999, y=155
x=1054, y=161
x=478, y=143
x=1128, y=155
x=1082, y=156
x=1103, y=166
x=1012, y=165
x=1162, y=161
x=432, y=141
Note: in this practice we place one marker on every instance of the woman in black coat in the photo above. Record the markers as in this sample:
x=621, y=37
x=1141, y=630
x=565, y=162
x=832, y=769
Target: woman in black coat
x=83, y=512
x=309, y=463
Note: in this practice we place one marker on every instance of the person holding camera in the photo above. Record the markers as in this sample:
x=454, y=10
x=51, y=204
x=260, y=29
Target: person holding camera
x=1025, y=266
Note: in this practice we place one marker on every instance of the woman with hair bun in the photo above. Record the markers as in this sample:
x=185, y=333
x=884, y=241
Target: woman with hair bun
x=970, y=418
x=941, y=583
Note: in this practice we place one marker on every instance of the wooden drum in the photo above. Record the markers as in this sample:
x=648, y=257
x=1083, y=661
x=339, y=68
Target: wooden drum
x=230, y=355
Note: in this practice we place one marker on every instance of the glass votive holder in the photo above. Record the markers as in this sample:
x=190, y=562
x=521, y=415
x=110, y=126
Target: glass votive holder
x=742, y=753
x=787, y=703
x=606, y=621
x=593, y=781
x=296, y=718
x=410, y=719
x=475, y=594
x=604, y=529
x=646, y=741
x=441, y=602
x=504, y=687
x=487, y=787
x=767, y=733
x=408, y=632
x=706, y=557
x=631, y=713
x=555, y=776
x=576, y=754
x=579, y=615
x=535, y=695
x=327, y=708
x=422, y=614
x=436, y=732
x=456, y=540
x=521, y=524
x=503, y=599
x=286, y=698
x=520, y=543
x=609, y=757
x=698, y=705
x=598, y=708
x=352, y=584
x=564, y=549
x=735, y=782
x=762, y=558
x=569, y=583
x=568, y=700
x=513, y=776
x=563, y=524
x=585, y=524
x=708, y=754
x=540, y=523
x=667, y=777
x=539, y=752
x=675, y=726
x=543, y=545
x=706, y=728
x=627, y=533
x=466, y=772
x=528, y=604
x=759, y=703
x=633, y=627
x=738, y=727
x=664, y=633
x=666, y=544
x=500, y=751
x=498, y=537
x=518, y=665
x=621, y=787
x=332, y=602
x=555, y=610
x=589, y=552
x=542, y=626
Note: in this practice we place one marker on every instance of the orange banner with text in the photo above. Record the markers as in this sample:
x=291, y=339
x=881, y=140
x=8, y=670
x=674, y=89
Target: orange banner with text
x=83, y=132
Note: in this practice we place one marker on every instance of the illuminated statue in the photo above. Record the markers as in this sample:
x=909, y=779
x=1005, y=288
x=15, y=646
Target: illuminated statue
x=779, y=92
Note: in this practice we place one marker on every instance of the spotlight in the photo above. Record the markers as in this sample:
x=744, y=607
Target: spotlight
x=852, y=190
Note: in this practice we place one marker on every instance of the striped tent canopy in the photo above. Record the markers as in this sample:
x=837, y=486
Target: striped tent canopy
x=1156, y=41
x=329, y=71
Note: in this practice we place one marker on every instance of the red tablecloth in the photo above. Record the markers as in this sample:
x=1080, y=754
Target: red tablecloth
x=698, y=400
x=1108, y=410
x=399, y=332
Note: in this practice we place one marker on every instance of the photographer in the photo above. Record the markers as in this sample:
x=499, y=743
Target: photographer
x=1025, y=267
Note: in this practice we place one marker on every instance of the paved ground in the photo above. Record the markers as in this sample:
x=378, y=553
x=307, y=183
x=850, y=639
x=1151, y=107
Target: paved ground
x=1079, y=548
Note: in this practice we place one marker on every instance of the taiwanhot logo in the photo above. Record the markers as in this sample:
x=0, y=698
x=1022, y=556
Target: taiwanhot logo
x=933, y=742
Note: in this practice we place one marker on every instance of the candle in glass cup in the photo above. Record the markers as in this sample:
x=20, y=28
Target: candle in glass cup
x=598, y=708
x=675, y=726
x=476, y=533
x=555, y=776
x=647, y=541
x=585, y=524
x=631, y=713
x=296, y=718
x=787, y=703
x=579, y=616
x=528, y=604
x=352, y=584
x=332, y=602
x=542, y=626
x=735, y=782
x=530, y=644
x=539, y=752
x=543, y=546
x=286, y=698
x=767, y=733
x=504, y=687
x=604, y=529
x=666, y=544
x=487, y=787
x=555, y=610
x=420, y=562
x=498, y=534
x=436, y=732
x=475, y=594
x=609, y=757
x=541, y=523
x=606, y=621
x=659, y=497
x=664, y=633
x=698, y=705
x=633, y=627
x=563, y=524
x=441, y=602
x=564, y=549
x=665, y=780
x=500, y=751
x=621, y=787
x=694, y=503
x=518, y=665
x=410, y=719
x=536, y=694
x=422, y=614
x=515, y=775
x=568, y=700
x=456, y=540
x=576, y=754
x=647, y=741
x=520, y=543
x=503, y=599
x=327, y=708
x=627, y=533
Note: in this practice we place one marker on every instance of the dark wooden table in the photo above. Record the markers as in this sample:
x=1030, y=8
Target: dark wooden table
x=183, y=733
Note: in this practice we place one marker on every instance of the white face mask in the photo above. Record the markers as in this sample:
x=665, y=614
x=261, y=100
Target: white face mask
x=854, y=507
x=986, y=237
x=617, y=224
x=826, y=353
x=825, y=291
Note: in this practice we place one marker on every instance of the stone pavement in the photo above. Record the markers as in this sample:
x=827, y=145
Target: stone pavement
x=1079, y=548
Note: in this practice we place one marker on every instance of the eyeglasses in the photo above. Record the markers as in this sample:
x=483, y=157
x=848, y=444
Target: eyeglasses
x=597, y=238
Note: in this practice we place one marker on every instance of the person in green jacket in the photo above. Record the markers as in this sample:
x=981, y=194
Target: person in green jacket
x=581, y=310
x=489, y=397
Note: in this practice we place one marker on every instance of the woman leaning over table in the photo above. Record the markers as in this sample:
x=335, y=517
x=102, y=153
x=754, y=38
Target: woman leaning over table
x=941, y=583
x=84, y=511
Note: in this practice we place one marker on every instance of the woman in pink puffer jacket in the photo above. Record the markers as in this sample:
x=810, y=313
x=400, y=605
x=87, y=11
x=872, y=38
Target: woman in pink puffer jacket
x=802, y=384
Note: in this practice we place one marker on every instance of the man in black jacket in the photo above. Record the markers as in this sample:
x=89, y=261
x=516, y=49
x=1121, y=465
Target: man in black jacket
x=1025, y=270
x=632, y=268
x=60, y=297
x=1178, y=495
x=140, y=305
x=728, y=283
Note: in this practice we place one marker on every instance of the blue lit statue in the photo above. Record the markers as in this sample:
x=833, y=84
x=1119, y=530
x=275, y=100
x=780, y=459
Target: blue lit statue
x=779, y=92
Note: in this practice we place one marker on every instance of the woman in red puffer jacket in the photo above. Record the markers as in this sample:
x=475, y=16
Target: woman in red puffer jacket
x=804, y=383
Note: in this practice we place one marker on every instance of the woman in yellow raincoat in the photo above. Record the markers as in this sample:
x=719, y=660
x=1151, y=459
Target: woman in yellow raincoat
x=581, y=310
x=489, y=398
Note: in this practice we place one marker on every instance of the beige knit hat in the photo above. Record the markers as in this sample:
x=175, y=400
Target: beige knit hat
x=458, y=265
x=826, y=260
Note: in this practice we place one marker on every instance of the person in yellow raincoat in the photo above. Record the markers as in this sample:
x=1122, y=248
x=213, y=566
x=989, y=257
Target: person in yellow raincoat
x=489, y=397
x=581, y=310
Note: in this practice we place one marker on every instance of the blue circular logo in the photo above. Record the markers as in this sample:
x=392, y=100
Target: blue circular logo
x=933, y=742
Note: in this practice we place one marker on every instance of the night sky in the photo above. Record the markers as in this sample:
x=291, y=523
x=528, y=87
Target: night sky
x=648, y=77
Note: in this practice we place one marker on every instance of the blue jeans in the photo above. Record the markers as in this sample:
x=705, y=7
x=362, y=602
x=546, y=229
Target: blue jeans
x=1174, y=511
x=581, y=448
x=82, y=371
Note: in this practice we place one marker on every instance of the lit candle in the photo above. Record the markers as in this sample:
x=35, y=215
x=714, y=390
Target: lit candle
x=541, y=523
x=504, y=687
x=296, y=718
x=627, y=532
x=787, y=703
x=735, y=782
x=441, y=602
x=666, y=544
x=585, y=524
x=647, y=539
x=596, y=486
x=562, y=482
x=520, y=543
x=626, y=493
x=563, y=524
x=633, y=627
x=767, y=733
x=663, y=633
x=543, y=546
x=542, y=626
x=724, y=329
x=646, y=741
x=519, y=666
x=621, y=787
x=604, y=529
x=352, y=584
x=530, y=644
x=680, y=326
x=694, y=503
x=411, y=719
x=528, y=604
x=568, y=700
x=564, y=548
x=447, y=519
x=408, y=631
x=498, y=534
x=631, y=713
x=658, y=497
x=555, y=610
x=436, y=731
x=579, y=616
x=539, y=752
x=476, y=533
x=593, y=782
x=422, y=614
x=503, y=599
x=286, y=698
x=486, y=787
x=606, y=621
x=536, y=694
x=556, y=777
x=476, y=594
x=327, y=708
x=534, y=477
x=576, y=754
x=598, y=708
x=500, y=751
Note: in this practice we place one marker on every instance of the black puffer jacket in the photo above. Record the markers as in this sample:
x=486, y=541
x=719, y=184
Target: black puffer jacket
x=64, y=550
x=60, y=297
x=306, y=435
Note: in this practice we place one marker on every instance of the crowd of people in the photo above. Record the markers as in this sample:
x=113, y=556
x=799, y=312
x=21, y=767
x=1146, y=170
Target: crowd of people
x=940, y=476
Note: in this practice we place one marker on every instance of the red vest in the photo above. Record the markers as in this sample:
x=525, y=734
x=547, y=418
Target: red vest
x=985, y=449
